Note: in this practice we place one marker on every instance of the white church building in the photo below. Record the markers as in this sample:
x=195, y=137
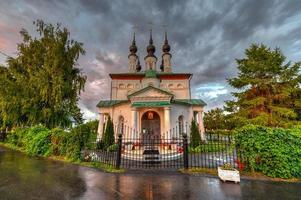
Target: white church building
x=150, y=99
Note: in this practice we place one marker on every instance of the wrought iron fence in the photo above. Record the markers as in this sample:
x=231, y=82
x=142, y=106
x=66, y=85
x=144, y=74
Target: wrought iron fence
x=100, y=155
x=216, y=151
x=171, y=150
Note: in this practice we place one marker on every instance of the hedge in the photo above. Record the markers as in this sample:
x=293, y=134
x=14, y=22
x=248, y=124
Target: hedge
x=276, y=152
x=39, y=140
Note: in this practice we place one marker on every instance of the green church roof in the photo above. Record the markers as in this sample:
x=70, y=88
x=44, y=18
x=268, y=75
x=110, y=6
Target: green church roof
x=109, y=103
x=151, y=104
x=151, y=73
x=194, y=102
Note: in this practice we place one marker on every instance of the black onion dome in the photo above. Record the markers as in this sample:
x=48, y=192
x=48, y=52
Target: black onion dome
x=133, y=47
x=151, y=48
x=166, y=46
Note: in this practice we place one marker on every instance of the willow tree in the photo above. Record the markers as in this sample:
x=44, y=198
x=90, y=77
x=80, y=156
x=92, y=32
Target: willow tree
x=268, y=89
x=41, y=85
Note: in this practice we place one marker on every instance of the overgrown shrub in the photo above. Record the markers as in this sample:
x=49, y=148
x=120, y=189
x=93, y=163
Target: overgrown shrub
x=80, y=137
x=16, y=136
x=59, y=141
x=112, y=148
x=34, y=140
x=276, y=152
x=39, y=140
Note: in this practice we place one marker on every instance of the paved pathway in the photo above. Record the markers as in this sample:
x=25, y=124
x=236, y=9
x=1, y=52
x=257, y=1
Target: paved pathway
x=22, y=177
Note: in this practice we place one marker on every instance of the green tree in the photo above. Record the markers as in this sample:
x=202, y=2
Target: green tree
x=41, y=85
x=268, y=89
x=215, y=119
x=195, y=134
x=108, y=137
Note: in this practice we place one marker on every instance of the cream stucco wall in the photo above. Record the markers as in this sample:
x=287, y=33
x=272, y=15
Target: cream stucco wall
x=126, y=109
x=180, y=88
x=121, y=88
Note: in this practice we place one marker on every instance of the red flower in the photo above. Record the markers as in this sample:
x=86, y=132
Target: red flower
x=240, y=165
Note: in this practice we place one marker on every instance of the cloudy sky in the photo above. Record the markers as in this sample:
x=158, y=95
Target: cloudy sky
x=205, y=36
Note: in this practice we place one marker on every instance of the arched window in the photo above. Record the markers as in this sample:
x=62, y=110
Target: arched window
x=180, y=85
x=130, y=86
x=181, y=124
x=121, y=86
x=120, y=125
x=170, y=85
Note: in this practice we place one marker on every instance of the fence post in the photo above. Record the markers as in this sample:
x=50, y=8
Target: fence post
x=118, y=158
x=185, y=151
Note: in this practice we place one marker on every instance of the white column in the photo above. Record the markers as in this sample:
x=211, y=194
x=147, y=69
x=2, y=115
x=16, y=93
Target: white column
x=167, y=122
x=100, y=127
x=201, y=125
x=134, y=123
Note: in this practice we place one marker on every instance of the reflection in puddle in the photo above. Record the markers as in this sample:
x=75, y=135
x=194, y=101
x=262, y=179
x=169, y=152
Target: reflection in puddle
x=23, y=177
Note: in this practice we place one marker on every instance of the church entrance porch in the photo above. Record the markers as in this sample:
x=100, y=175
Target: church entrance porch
x=150, y=128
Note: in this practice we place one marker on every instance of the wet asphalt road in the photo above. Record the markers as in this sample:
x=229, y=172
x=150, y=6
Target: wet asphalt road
x=23, y=177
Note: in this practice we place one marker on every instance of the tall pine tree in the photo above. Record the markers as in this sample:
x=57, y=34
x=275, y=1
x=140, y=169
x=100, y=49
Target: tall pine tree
x=108, y=137
x=195, y=134
x=268, y=89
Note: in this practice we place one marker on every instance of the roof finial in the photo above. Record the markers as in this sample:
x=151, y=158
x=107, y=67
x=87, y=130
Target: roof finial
x=151, y=37
x=134, y=39
x=166, y=41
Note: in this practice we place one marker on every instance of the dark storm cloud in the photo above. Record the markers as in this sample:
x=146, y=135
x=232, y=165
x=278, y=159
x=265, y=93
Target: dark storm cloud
x=205, y=36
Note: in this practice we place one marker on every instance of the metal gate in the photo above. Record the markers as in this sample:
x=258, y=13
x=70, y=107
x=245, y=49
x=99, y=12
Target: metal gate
x=151, y=151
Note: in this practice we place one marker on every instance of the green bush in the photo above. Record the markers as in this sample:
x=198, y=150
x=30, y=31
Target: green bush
x=59, y=141
x=81, y=137
x=112, y=148
x=39, y=140
x=276, y=152
x=207, y=147
x=34, y=140
x=100, y=145
x=16, y=136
